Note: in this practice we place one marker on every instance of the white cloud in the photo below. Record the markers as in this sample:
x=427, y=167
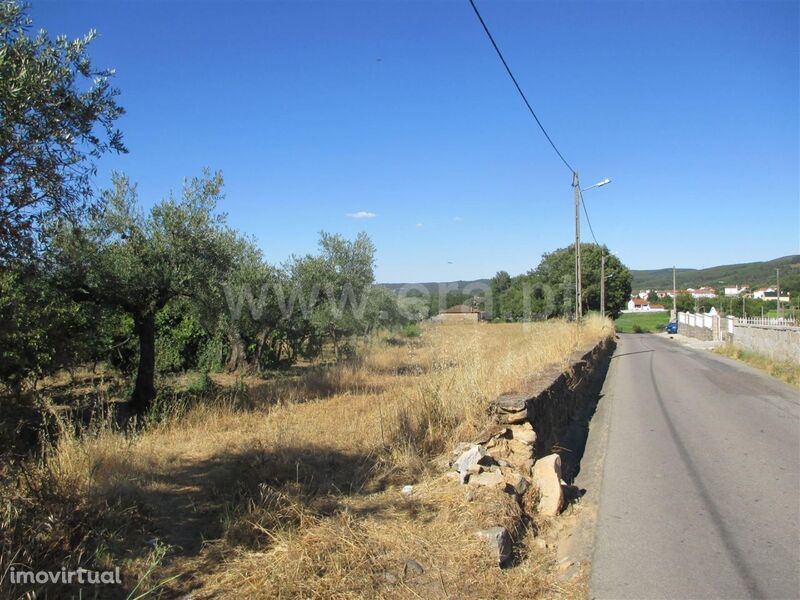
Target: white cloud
x=362, y=214
x=458, y=218
x=418, y=225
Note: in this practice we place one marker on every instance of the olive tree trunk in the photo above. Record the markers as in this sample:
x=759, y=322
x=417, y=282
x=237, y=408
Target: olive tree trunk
x=144, y=391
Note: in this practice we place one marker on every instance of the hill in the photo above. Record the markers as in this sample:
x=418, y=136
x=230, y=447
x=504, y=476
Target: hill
x=754, y=274
x=433, y=287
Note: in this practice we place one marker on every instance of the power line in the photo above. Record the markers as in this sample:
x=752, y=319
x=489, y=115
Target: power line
x=586, y=212
x=519, y=89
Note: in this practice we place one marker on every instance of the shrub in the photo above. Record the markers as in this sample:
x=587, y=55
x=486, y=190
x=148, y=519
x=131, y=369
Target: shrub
x=411, y=330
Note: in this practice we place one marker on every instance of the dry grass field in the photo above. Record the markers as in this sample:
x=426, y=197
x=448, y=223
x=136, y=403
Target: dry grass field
x=289, y=488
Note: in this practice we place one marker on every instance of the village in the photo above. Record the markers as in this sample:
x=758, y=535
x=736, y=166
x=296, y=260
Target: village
x=651, y=300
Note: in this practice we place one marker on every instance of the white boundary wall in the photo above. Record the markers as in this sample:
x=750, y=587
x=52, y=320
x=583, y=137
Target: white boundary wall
x=779, y=339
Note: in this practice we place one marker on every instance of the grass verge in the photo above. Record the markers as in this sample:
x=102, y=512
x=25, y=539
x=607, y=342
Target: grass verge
x=786, y=371
x=643, y=322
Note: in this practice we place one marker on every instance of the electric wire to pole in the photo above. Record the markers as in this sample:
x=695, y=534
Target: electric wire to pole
x=586, y=213
x=519, y=89
x=530, y=108
x=575, y=180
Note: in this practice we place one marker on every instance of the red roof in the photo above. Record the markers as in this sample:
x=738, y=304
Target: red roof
x=640, y=302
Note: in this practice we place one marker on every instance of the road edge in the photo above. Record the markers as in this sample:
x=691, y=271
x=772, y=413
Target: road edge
x=576, y=548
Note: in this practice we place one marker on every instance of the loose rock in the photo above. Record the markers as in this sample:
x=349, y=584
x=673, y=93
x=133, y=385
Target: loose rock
x=512, y=417
x=470, y=457
x=511, y=403
x=547, y=476
x=524, y=433
x=413, y=567
x=487, y=478
x=493, y=432
x=389, y=578
x=516, y=483
x=499, y=541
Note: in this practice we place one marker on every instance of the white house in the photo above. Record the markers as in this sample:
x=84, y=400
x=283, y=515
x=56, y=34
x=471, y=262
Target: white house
x=737, y=290
x=770, y=294
x=637, y=304
x=703, y=292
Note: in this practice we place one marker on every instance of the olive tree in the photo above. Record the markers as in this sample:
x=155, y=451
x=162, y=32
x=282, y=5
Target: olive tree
x=57, y=114
x=138, y=263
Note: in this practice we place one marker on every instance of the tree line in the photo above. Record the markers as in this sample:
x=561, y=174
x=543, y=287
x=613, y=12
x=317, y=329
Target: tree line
x=91, y=278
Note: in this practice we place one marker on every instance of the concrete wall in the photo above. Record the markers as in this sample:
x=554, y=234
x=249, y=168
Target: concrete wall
x=775, y=342
x=700, y=333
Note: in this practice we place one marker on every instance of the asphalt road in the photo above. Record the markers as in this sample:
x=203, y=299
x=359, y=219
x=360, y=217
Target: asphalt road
x=700, y=493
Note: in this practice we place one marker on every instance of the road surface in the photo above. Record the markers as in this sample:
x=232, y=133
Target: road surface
x=700, y=493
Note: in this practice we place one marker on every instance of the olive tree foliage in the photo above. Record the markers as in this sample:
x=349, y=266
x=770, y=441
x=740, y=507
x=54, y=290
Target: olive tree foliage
x=276, y=315
x=42, y=329
x=57, y=115
x=138, y=263
x=333, y=286
x=251, y=314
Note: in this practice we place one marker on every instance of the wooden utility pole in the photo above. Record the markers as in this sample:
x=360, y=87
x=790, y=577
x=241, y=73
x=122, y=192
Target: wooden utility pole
x=602, y=282
x=577, y=187
x=674, y=296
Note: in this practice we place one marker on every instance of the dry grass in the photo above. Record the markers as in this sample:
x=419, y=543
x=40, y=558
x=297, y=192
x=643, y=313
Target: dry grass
x=289, y=487
x=786, y=371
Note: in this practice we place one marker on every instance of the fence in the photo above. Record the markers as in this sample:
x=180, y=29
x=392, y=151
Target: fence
x=778, y=339
x=764, y=322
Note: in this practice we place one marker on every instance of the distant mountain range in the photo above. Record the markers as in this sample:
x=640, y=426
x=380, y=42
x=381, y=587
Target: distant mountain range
x=754, y=274
x=433, y=286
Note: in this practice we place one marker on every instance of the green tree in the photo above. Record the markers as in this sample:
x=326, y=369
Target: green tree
x=557, y=271
x=344, y=272
x=382, y=310
x=123, y=259
x=685, y=303
x=57, y=114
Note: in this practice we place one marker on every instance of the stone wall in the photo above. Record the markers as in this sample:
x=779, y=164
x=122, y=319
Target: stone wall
x=557, y=397
x=700, y=333
x=778, y=343
x=520, y=453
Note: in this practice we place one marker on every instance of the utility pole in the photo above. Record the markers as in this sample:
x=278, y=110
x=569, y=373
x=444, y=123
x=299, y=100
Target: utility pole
x=602, y=282
x=778, y=297
x=577, y=187
x=674, y=296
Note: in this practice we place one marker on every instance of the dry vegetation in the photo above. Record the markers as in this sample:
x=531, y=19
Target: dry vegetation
x=290, y=487
x=785, y=370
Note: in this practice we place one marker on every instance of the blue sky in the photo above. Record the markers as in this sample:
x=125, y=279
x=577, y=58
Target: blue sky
x=319, y=110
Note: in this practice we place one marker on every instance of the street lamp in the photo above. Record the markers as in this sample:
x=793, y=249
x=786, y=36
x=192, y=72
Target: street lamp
x=577, y=187
x=605, y=181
